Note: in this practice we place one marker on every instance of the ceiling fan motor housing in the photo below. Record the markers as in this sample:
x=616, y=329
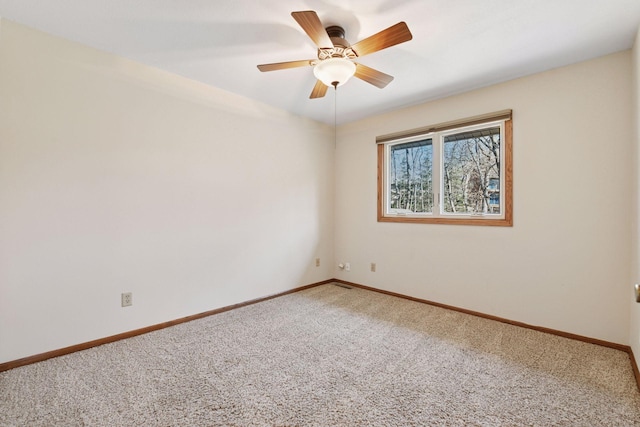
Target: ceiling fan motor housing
x=335, y=31
x=341, y=47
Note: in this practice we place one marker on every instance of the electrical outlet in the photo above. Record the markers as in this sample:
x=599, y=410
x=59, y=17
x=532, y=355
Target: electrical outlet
x=373, y=267
x=317, y=262
x=347, y=266
x=127, y=299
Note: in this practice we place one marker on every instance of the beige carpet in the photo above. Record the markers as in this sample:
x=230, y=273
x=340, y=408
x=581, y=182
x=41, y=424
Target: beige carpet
x=329, y=356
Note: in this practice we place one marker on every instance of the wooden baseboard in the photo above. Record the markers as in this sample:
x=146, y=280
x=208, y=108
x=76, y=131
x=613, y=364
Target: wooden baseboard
x=589, y=340
x=78, y=347
x=72, y=349
x=620, y=347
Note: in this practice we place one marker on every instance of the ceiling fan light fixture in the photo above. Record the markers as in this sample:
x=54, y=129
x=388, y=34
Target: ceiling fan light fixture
x=332, y=70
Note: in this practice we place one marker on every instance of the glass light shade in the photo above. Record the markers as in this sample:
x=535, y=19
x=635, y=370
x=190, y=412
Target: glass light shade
x=333, y=70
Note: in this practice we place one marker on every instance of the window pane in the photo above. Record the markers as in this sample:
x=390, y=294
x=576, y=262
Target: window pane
x=410, y=182
x=471, y=172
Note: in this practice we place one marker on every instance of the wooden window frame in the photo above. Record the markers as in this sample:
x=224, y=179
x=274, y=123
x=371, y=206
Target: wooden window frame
x=506, y=145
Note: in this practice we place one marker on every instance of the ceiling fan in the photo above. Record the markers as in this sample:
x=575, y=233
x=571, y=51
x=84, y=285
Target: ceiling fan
x=335, y=64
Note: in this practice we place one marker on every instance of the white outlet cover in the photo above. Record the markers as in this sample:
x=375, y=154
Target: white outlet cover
x=127, y=299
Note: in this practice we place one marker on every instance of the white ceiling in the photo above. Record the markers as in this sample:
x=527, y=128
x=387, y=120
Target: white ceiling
x=457, y=45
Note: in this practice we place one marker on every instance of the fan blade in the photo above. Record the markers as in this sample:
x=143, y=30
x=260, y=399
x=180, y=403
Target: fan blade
x=392, y=36
x=284, y=65
x=311, y=25
x=319, y=90
x=375, y=77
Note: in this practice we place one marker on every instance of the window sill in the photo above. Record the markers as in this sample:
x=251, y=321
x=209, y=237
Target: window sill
x=503, y=222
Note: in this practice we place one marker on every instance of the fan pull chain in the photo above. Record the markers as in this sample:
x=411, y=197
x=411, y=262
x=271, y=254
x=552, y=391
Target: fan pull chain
x=335, y=114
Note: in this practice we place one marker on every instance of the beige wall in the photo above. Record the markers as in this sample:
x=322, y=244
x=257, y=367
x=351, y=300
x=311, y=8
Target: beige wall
x=118, y=177
x=634, y=336
x=564, y=264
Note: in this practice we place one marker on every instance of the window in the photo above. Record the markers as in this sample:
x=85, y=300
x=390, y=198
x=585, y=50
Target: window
x=410, y=180
x=454, y=173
